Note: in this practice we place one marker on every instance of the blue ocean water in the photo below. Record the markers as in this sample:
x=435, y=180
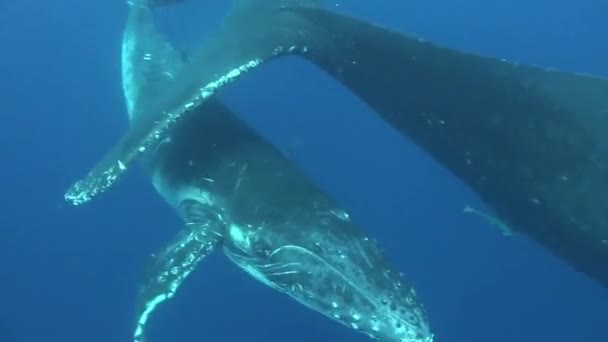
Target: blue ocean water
x=71, y=274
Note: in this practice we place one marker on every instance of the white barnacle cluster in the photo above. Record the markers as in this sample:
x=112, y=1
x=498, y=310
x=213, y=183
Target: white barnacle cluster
x=77, y=194
x=293, y=49
x=189, y=105
x=121, y=165
x=406, y=323
x=162, y=126
x=170, y=280
x=84, y=190
x=375, y=323
x=177, y=270
x=210, y=87
x=356, y=318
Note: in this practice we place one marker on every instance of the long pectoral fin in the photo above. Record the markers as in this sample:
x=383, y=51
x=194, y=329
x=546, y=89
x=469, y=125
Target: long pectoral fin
x=201, y=236
x=255, y=31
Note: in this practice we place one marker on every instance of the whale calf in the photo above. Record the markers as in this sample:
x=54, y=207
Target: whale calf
x=237, y=192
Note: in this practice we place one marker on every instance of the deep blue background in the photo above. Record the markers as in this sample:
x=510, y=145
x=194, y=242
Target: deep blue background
x=70, y=274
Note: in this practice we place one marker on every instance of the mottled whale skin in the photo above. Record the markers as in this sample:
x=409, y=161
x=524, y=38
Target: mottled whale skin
x=530, y=142
x=237, y=192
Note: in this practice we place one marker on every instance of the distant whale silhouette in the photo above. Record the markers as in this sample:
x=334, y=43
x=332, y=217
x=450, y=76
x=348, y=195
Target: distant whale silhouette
x=530, y=142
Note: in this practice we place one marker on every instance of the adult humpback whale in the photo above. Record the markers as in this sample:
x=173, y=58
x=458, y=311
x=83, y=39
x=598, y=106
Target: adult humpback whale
x=236, y=191
x=529, y=141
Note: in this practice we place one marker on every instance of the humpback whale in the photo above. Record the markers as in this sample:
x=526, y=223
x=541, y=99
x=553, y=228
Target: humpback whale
x=530, y=142
x=238, y=192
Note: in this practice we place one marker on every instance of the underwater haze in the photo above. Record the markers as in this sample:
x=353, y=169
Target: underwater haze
x=71, y=273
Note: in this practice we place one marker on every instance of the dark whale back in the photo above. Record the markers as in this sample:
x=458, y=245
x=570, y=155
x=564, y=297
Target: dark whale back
x=530, y=142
